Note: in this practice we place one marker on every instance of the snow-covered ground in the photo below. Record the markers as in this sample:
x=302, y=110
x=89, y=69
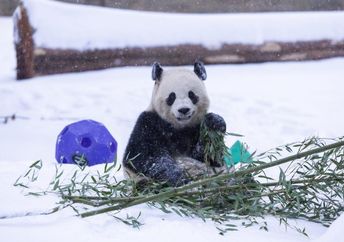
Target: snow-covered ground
x=271, y=104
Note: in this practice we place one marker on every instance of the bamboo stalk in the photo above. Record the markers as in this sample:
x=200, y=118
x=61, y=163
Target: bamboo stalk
x=173, y=191
x=100, y=201
x=268, y=184
x=84, y=197
x=105, y=200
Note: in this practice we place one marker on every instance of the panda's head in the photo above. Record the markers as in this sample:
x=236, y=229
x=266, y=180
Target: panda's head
x=179, y=95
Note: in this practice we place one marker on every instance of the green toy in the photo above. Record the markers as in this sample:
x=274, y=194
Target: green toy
x=237, y=154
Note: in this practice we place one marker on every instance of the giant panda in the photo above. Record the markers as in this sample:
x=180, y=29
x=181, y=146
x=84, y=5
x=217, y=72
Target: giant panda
x=165, y=143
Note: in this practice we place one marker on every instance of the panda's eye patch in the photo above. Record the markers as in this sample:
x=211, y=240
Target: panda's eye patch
x=171, y=98
x=193, y=97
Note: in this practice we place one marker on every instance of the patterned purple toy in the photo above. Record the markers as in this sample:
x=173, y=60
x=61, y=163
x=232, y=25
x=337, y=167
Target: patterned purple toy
x=86, y=142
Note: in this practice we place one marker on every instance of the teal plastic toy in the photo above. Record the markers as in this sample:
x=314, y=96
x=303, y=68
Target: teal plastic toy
x=237, y=154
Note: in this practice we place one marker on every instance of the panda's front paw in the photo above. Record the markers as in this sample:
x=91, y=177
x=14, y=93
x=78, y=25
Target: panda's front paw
x=165, y=169
x=215, y=122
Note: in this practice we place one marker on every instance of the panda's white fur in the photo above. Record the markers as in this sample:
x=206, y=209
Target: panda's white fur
x=179, y=81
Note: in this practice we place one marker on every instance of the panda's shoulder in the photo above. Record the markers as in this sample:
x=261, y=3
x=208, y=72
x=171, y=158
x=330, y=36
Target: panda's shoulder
x=148, y=117
x=149, y=126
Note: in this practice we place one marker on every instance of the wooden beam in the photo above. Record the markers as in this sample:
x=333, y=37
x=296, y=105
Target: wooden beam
x=24, y=45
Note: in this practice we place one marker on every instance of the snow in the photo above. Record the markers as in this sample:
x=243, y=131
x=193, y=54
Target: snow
x=271, y=104
x=333, y=233
x=57, y=27
x=16, y=17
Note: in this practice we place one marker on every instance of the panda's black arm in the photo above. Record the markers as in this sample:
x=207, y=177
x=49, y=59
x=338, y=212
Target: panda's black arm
x=147, y=152
x=214, y=122
x=144, y=139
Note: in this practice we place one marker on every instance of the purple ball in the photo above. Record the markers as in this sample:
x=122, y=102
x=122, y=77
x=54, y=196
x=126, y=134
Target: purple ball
x=86, y=142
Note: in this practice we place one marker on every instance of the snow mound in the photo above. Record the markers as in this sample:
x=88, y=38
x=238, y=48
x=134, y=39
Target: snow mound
x=335, y=232
x=69, y=26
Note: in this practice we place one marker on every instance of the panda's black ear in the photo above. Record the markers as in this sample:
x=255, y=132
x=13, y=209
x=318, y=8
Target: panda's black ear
x=156, y=71
x=199, y=69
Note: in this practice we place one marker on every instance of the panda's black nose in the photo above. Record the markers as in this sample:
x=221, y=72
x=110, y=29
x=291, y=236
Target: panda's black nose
x=184, y=110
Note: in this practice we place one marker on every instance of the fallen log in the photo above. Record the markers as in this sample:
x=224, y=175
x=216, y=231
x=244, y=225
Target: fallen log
x=52, y=37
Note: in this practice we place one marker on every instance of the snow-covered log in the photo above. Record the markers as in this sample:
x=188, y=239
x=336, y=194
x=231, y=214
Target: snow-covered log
x=53, y=37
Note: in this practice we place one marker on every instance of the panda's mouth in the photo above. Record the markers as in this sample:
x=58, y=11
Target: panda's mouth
x=185, y=117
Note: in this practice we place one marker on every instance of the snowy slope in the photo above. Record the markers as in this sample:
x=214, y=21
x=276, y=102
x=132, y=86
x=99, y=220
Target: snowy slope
x=270, y=104
x=57, y=27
